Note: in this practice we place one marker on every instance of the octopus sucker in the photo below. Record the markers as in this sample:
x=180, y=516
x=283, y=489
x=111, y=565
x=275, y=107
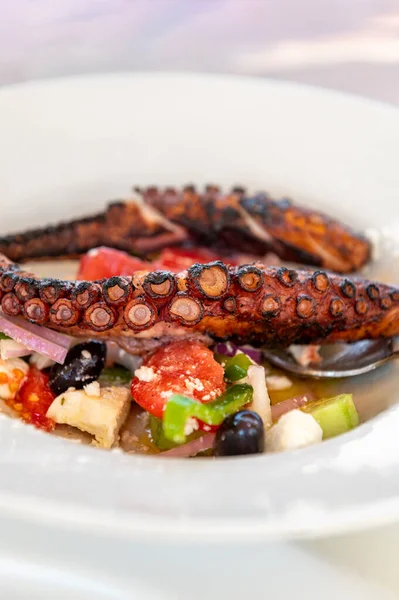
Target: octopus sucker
x=160, y=285
x=25, y=288
x=211, y=280
x=271, y=306
x=361, y=307
x=51, y=290
x=157, y=218
x=116, y=290
x=265, y=305
x=11, y=305
x=386, y=302
x=63, y=313
x=287, y=277
x=139, y=314
x=99, y=317
x=320, y=281
x=250, y=278
x=373, y=292
x=186, y=310
x=337, y=307
x=36, y=310
x=348, y=288
x=305, y=306
x=85, y=293
x=230, y=304
x=8, y=281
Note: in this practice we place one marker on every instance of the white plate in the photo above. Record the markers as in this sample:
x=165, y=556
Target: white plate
x=65, y=148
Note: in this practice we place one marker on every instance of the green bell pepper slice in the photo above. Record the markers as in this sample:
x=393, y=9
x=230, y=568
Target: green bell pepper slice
x=236, y=367
x=180, y=408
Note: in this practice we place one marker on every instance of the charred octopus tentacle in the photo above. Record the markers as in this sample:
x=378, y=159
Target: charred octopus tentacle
x=157, y=218
x=276, y=306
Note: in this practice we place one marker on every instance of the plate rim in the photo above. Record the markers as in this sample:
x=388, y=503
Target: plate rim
x=384, y=511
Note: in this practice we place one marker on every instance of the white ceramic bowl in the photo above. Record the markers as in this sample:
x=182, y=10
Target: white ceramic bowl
x=65, y=148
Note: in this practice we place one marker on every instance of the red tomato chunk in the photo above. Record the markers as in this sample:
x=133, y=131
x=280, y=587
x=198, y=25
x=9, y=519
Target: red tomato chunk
x=34, y=399
x=108, y=262
x=180, y=259
x=182, y=367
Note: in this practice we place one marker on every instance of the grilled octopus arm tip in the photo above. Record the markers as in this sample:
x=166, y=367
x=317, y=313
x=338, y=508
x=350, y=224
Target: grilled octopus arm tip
x=274, y=306
x=255, y=224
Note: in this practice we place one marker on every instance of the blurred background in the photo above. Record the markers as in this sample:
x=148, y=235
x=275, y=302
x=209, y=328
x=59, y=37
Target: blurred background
x=350, y=45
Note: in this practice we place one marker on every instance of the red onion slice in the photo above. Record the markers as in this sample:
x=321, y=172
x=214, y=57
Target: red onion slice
x=226, y=348
x=291, y=404
x=12, y=349
x=230, y=349
x=192, y=448
x=36, y=338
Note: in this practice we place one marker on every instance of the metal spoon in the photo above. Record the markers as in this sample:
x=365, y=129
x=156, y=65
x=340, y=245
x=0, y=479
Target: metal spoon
x=339, y=360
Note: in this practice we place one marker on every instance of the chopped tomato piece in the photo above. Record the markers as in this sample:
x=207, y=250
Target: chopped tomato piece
x=34, y=399
x=182, y=367
x=107, y=262
x=179, y=259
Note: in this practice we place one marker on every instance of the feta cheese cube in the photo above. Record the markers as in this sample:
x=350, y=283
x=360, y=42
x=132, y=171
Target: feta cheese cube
x=101, y=415
x=294, y=430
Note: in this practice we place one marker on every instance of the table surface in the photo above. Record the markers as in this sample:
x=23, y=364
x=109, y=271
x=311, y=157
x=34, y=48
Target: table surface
x=37, y=563
x=347, y=45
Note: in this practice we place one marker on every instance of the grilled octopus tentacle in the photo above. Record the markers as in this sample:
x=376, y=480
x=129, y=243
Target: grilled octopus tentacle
x=130, y=226
x=276, y=306
x=256, y=224
x=263, y=224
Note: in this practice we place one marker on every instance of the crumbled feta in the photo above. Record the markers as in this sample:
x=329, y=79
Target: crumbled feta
x=92, y=389
x=13, y=373
x=145, y=374
x=294, y=430
x=192, y=384
x=190, y=426
x=102, y=416
x=304, y=355
x=278, y=382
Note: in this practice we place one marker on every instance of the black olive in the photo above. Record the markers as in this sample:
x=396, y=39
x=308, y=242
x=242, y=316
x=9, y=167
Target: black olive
x=83, y=364
x=241, y=433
